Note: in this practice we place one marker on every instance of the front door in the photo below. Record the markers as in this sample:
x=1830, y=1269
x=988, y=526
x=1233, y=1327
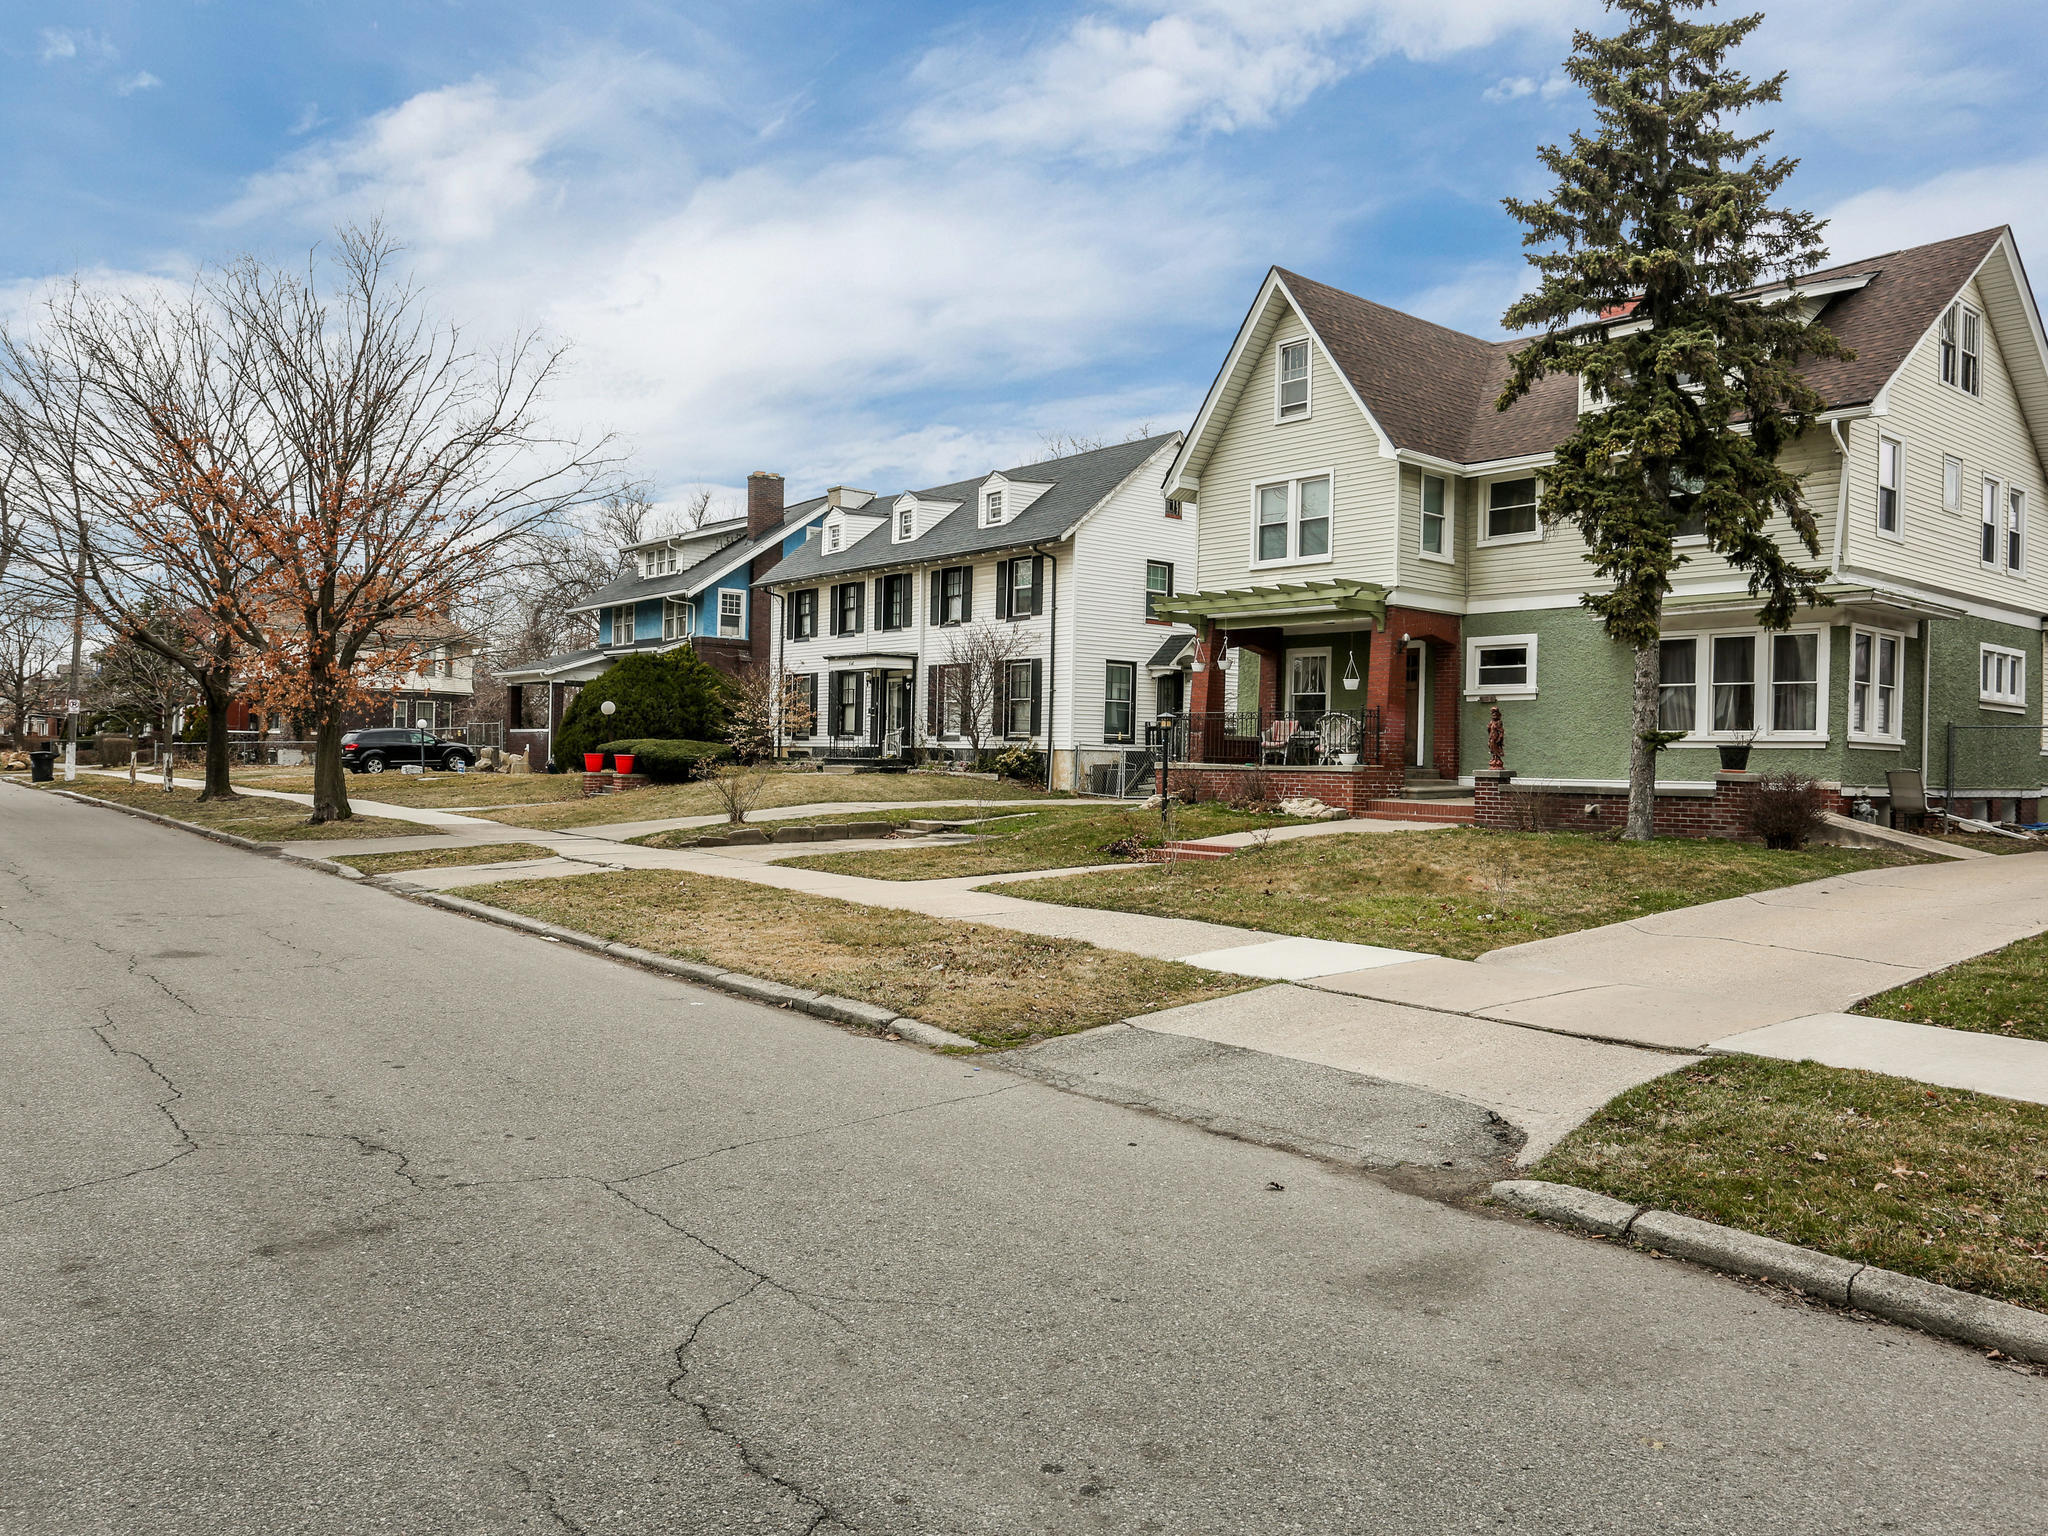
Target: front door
x=897, y=726
x=1412, y=743
x=1308, y=685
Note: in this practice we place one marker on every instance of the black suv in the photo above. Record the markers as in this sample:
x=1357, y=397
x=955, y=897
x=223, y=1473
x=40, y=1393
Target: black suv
x=375, y=751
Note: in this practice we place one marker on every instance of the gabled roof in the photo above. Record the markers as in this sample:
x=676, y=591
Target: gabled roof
x=551, y=667
x=694, y=579
x=1079, y=483
x=1430, y=390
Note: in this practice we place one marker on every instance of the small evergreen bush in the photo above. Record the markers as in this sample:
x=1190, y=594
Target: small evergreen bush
x=1022, y=764
x=671, y=762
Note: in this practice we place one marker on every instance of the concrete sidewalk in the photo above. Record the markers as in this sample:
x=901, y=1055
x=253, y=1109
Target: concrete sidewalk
x=417, y=814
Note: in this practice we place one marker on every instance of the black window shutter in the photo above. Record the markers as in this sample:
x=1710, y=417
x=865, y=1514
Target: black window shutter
x=1037, y=683
x=881, y=598
x=931, y=699
x=938, y=602
x=966, y=592
x=1037, y=588
x=1002, y=698
x=1002, y=589
x=831, y=610
x=860, y=593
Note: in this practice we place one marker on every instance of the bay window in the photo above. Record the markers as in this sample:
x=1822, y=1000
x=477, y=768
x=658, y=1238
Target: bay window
x=1874, y=658
x=1291, y=521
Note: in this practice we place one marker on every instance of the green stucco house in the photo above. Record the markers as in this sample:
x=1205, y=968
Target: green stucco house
x=1372, y=543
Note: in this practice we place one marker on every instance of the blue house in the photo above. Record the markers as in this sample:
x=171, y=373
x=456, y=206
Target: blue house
x=694, y=589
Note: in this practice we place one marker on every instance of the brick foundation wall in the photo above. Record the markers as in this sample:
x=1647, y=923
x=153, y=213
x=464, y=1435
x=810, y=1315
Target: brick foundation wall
x=1345, y=788
x=1677, y=813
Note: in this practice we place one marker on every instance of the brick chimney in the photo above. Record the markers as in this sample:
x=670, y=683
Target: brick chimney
x=764, y=515
x=764, y=502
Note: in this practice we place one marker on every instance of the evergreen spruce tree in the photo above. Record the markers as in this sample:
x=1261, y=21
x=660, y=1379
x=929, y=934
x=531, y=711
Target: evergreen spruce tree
x=1659, y=221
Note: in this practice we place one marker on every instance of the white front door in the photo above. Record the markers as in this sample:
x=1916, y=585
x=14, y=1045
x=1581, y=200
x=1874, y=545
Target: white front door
x=1308, y=683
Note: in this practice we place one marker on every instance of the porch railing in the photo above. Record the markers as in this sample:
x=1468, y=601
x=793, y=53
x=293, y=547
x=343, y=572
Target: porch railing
x=1298, y=738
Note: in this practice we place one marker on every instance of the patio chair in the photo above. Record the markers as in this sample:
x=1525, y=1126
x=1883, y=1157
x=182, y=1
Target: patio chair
x=1277, y=738
x=1336, y=735
x=1908, y=796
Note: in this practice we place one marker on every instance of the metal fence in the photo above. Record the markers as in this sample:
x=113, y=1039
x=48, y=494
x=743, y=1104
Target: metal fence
x=1277, y=738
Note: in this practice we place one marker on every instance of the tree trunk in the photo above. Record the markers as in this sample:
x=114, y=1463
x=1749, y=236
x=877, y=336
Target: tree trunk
x=330, y=780
x=219, y=785
x=1642, y=749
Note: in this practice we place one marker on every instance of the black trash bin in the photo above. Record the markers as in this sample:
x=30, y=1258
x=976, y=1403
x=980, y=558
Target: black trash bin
x=42, y=766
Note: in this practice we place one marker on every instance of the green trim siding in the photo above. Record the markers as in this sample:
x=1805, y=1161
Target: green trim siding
x=1576, y=727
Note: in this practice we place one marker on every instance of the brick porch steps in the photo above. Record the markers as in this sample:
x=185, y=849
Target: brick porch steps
x=1459, y=813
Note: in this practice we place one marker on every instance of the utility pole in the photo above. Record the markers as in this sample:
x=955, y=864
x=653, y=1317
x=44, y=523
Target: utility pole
x=73, y=693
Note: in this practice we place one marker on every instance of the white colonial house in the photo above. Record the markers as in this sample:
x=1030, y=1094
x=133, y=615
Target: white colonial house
x=1052, y=569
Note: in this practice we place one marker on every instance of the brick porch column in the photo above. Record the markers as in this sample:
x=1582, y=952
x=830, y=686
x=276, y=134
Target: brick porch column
x=1206, y=696
x=1445, y=683
x=1386, y=690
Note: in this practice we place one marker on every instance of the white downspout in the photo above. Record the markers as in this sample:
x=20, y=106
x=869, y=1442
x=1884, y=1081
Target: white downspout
x=1841, y=500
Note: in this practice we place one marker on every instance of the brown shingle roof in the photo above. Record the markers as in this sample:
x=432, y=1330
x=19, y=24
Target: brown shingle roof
x=1432, y=389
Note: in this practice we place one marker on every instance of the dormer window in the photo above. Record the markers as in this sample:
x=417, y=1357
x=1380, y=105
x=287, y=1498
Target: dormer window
x=1293, y=381
x=991, y=509
x=906, y=524
x=834, y=533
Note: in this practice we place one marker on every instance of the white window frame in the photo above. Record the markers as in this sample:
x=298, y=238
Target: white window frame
x=992, y=508
x=1991, y=515
x=1130, y=701
x=1446, y=554
x=1150, y=567
x=2013, y=668
x=1308, y=379
x=1534, y=536
x=903, y=527
x=1868, y=734
x=1897, y=456
x=626, y=615
x=1322, y=653
x=1763, y=681
x=1952, y=345
x=1951, y=483
x=1474, y=689
x=678, y=618
x=1012, y=698
x=835, y=537
x=731, y=623
x=2012, y=536
x=1293, y=557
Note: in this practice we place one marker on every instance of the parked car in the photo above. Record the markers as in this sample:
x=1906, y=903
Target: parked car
x=375, y=751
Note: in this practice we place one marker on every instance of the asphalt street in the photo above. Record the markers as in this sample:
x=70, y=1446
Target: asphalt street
x=325, y=1211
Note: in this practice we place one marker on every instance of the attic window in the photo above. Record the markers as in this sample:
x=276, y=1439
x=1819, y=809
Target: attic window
x=832, y=536
x=906, y=524
x=1962, y=349
x=1293, y=383
x=992, y=509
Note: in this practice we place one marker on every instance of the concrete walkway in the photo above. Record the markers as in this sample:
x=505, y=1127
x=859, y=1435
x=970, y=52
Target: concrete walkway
x=419, y=815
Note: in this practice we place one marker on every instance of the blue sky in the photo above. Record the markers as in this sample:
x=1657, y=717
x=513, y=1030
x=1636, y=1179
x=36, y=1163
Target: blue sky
x=894, y=245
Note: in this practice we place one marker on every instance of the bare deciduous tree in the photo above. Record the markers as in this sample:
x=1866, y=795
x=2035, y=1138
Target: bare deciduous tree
x=971, y=689
x=33, y=638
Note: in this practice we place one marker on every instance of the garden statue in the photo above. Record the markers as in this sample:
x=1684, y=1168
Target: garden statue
x=1496, y=738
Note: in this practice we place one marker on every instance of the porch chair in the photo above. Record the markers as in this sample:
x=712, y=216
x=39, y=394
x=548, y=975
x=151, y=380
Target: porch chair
x=1908, y=796
x=1278, y=737
x=1336, y=734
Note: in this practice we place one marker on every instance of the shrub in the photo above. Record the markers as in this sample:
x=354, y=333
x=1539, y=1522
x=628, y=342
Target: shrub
x=672, y=762
x=674, y=696
x=1787, y=810
x=1020, y=763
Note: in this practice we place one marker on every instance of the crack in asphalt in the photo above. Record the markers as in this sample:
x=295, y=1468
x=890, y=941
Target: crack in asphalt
x=187, y=1144
x=550, y=1503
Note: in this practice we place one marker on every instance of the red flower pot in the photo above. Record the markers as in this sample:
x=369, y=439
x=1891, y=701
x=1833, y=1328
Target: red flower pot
x=623, y=761
x=593, y=762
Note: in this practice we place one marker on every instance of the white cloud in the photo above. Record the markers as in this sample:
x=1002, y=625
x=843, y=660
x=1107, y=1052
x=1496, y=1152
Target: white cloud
x=1473, y=298
x=1118, y=86
x=1952, y=203
x=142, y=80
x=58, y=44
x=308, y=119
x=1515, y=87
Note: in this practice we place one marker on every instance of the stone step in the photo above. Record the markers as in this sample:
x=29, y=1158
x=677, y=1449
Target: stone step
x=1459, y=813
x=1435, y=789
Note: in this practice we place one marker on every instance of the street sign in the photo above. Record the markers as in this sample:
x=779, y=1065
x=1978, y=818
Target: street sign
x=71, y=706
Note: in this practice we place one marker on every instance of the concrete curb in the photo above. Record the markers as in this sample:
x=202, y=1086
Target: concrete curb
x=823, y=1005
x=1938, y=1309
x=245, y=844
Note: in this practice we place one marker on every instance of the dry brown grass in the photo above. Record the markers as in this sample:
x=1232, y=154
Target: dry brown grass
x=992, y=985
x=251, y=816
x=784, y=788
x=444, y=858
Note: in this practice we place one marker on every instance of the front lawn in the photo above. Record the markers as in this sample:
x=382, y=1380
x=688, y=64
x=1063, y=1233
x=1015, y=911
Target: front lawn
x=1949, y=1186
x=992, y=985
x=2002, y=993
x=444, y=858
x=1460, y=892
x=435, y=791
x=251, y=816
x=792, y=787
x=1050, y=839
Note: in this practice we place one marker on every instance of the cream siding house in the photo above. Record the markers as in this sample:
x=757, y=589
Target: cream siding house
x=1440, y=591
x=1054, y=565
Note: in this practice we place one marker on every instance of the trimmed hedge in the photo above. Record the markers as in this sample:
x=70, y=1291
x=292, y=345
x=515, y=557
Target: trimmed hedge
x=668, y=760
x=672, y=696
